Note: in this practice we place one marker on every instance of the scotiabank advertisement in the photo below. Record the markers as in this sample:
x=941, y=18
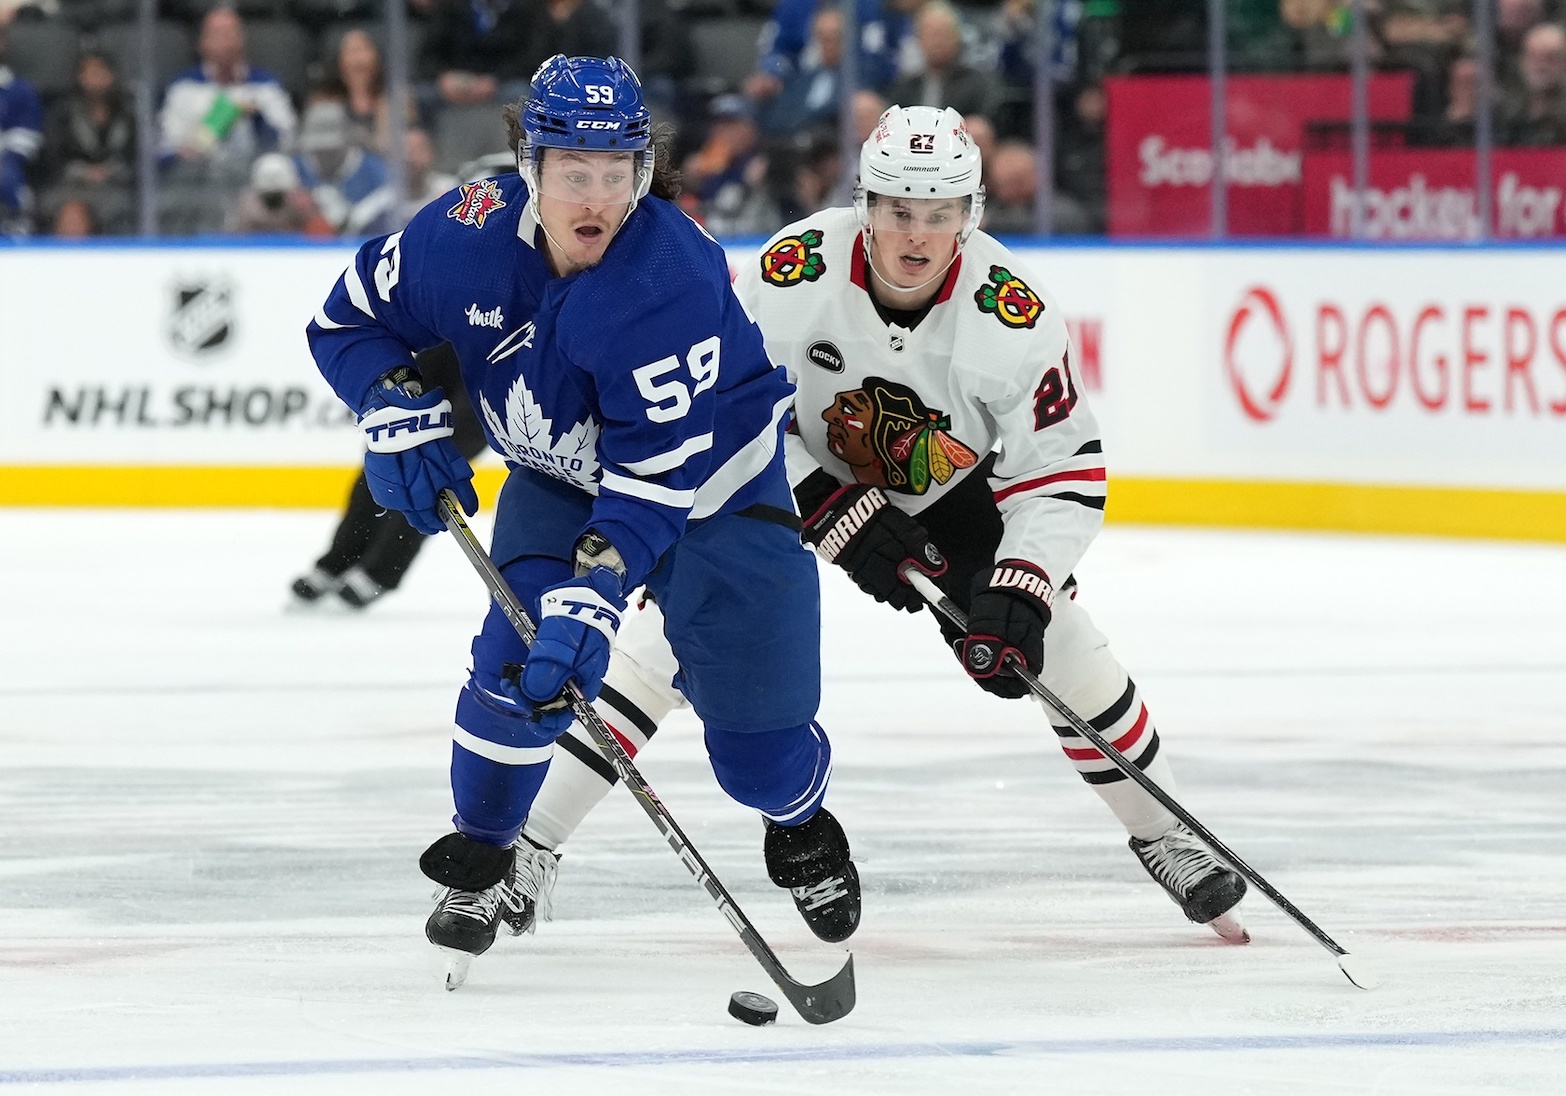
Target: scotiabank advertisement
x=1158, y=148
x=1430, y=194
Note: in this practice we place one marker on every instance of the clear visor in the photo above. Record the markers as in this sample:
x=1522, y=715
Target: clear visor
x=588, y=178
x=917, y=216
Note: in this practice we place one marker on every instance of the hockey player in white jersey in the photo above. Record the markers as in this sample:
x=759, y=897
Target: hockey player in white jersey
x=937, y=422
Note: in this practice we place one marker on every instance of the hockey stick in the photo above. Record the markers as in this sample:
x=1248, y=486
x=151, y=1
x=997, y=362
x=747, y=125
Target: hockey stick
x=1352, y=968
x=818, y=1004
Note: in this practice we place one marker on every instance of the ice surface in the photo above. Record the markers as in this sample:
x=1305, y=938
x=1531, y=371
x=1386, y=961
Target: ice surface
x=211, y=811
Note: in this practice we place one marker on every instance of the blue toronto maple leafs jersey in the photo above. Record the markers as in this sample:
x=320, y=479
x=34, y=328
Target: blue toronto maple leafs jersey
x=640, y=380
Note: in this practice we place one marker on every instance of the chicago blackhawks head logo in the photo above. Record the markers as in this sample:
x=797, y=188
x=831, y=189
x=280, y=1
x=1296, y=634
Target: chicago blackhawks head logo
x=793, y=260
x=887, y=435
x=478, y=201
x=1009, y=297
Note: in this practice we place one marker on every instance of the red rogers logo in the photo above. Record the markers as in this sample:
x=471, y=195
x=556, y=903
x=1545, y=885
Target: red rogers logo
x=1275, y=364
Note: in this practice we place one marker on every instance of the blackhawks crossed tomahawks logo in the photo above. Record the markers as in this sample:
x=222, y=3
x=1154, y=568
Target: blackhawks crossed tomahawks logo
x=794, y=259
x=1009, y=297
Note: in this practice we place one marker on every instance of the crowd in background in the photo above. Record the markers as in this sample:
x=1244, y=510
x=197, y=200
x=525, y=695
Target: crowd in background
x=272, y=117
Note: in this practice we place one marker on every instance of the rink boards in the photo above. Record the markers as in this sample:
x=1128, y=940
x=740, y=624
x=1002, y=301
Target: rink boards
x=1418, y=390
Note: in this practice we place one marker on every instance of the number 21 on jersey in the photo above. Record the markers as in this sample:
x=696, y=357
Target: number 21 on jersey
x=1055, y=397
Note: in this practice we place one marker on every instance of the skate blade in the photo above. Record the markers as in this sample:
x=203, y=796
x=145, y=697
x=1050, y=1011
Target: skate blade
x=458, y=963
x=1228, y=926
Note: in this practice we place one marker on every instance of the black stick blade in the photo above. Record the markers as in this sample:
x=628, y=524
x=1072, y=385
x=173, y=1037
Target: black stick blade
x=831, y=1000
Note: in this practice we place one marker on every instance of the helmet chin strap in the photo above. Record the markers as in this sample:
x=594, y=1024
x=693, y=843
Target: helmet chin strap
x=869, y=234
x=532, y=207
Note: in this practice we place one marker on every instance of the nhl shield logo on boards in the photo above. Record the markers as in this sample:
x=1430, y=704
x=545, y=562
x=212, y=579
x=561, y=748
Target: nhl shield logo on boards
x=201, y=320
x=826, y=355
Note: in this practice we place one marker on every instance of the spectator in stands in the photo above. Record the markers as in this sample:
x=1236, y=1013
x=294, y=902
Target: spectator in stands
x=361, y=83
x=90, y=136
x=1320, y=35
x=218, y=115
x=1081, y=188
x=348, y=183
x=1452, y=125
x=1513, y=20
x=1423, y=25
x=576, y=28
x=946, y=81
x=73, y=219
x=727, y=175
x=810, y=94
x=788, y=45
x=424, y=183
x=1538, y=116
x=1014, y=30
x=805, y=174
x=10, y=8
x=982, y=134
x=1010, y=184
x=477, y=51
x=21, y=132
x=667, y=57
x=868, y=107
x=276, y=202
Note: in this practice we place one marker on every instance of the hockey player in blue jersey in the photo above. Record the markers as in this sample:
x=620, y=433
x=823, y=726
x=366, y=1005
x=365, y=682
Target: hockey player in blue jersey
x=641, y=421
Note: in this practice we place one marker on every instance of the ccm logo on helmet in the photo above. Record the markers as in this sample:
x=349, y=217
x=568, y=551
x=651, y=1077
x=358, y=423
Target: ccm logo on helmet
x=596, y=123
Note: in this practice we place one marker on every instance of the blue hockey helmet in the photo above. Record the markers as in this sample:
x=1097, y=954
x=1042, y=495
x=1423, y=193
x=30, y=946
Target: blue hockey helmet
x=586, y=104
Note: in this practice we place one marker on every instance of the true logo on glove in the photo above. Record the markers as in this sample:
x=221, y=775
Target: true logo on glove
x=599, y=613
x=413, y=424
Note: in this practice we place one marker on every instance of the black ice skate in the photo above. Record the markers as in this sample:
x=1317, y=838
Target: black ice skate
x=310, y=589
x=811, y=860
x=357, y=590
x=469, y=911
x=1205, y=890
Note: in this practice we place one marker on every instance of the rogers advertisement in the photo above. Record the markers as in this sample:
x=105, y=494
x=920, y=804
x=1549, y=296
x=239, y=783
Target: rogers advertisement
x=1158, y=154
x=1429, y=194
x=1374, y=372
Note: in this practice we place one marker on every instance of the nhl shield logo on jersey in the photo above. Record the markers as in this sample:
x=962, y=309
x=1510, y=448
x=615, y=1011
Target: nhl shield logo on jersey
x=479, y=200
x=201, y=320
x=1009, y=297
x=793, y=259
x=891, y=439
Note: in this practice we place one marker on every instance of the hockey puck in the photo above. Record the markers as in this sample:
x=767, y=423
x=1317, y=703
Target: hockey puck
x=753, y=1008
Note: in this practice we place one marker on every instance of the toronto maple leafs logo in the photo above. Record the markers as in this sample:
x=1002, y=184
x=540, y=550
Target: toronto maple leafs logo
x=526, y=438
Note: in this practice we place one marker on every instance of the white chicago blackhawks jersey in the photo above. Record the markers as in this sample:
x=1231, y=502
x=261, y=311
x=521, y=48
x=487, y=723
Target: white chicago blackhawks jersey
x=914, y=412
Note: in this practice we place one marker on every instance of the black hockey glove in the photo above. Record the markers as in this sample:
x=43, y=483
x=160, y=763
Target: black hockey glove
x=858, y=528
x=1008, y=614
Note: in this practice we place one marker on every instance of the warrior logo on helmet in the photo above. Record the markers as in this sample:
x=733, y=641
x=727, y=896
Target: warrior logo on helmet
x=891, y=439
x=794, y=259
x=1009, y=297
x=478, y=201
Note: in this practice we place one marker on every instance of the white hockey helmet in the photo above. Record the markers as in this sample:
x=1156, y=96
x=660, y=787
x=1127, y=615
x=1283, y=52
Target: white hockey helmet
x=921, y=152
